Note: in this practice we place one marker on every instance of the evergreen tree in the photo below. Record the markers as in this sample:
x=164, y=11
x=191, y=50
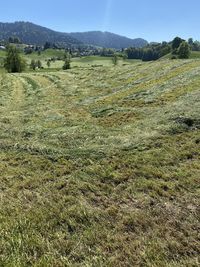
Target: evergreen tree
x=13, y=61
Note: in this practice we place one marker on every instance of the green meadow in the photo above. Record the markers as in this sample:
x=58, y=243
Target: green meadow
x=100, y=165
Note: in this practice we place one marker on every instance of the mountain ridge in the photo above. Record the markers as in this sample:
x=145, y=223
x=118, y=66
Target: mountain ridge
x=31, y=33
x=108, y=39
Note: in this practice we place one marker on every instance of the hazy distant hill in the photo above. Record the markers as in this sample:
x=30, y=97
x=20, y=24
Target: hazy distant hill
x=30, y=33
x=108, y=40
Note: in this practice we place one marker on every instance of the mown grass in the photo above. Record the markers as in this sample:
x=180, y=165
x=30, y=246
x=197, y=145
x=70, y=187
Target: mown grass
x=100, y=166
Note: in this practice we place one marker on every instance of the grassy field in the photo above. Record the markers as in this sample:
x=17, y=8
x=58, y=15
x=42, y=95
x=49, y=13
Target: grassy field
x=87, y=61
x=83, y=62
x=100, y=166
x=195, y=54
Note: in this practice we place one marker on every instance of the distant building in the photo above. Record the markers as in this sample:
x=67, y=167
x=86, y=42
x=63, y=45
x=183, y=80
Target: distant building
x=2, y=47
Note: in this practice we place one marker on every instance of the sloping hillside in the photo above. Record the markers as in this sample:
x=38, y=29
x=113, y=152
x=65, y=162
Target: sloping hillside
x=108, y=40
x=101, y=166
x=30, y=33
x=193, y=55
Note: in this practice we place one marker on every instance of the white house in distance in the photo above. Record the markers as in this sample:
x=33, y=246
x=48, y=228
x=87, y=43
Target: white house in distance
x=2, y=47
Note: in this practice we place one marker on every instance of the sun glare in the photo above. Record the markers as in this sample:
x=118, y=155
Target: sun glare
x=107, y=16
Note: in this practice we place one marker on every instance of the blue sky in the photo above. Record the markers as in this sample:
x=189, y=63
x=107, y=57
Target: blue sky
x=154, y=20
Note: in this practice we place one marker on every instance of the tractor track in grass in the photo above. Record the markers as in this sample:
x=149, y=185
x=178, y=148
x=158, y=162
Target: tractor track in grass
x=36, y=104
x=13, y=107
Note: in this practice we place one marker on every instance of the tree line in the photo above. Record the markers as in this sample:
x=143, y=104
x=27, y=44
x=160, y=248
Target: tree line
x=178, y=48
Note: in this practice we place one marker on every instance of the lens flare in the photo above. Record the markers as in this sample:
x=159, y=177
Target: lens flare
x=108, y=9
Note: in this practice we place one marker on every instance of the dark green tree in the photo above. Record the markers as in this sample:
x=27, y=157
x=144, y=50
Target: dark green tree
x=33, y=64
x=135, y=53
x=176, y=43
x=196, y=46
x=150, y=54
x=47, y=45
x=39, y=64
x=66, y=65
x=115, y=59
x=184, y=50
x=11, y=40
x=28, y=50
x=16, y=40
x=164, y=49
x=190, y=41
x=48, y=63
x=67, y=59
x=125, y=56
x=13, y=61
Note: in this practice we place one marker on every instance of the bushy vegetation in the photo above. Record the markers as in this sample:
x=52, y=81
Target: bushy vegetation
x=194, y=45
x=115, y=59
x=67, y=59
x=179, y=48
x=35, y=64
x=100, y=166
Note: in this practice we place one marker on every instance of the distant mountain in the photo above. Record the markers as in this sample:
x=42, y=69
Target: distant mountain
x=30, y=33
x=108, y=40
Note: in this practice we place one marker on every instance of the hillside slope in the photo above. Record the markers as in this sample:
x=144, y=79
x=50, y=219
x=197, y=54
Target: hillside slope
x=108, y=40
x=101, y=166
x=30, y=33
